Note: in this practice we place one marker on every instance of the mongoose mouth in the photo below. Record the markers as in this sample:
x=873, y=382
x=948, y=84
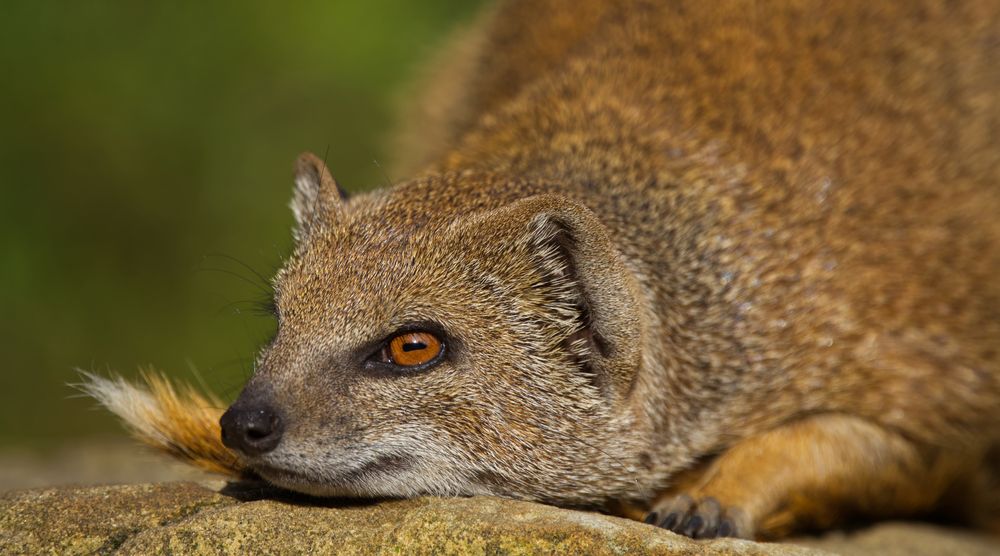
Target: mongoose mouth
x=349, y=482
x=270, y=471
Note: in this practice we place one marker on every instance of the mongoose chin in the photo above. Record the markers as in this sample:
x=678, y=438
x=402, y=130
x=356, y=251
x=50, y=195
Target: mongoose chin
x=729, y=268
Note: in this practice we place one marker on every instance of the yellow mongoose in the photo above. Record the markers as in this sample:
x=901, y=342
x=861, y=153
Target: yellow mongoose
x=734, y=262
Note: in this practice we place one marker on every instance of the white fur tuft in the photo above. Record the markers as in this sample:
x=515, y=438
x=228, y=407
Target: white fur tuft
x=130, y=403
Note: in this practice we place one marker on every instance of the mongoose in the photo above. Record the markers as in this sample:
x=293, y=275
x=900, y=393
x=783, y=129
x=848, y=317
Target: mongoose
x=730, y=267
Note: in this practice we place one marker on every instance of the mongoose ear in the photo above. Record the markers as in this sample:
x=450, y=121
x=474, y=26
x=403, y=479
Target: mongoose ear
x=317, y=195
x=598, y=297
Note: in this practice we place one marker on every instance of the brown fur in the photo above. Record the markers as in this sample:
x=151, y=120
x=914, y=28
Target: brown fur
x=751, y=244
x=183, y=424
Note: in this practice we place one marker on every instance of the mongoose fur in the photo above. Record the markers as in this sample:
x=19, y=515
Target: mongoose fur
x=731, y=263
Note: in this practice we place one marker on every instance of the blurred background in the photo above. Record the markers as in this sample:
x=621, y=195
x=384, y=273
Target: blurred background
x=145, y=171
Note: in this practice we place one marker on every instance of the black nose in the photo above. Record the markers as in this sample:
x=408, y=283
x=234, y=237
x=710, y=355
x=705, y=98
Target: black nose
x=253, y=429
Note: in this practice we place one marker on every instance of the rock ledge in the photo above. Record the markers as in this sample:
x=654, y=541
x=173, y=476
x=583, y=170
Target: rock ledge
x=193, y=518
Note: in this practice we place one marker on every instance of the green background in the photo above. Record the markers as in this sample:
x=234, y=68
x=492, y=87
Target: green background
x=145, y=158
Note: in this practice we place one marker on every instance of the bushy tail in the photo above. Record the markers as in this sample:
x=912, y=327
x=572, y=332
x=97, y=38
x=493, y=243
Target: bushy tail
x=182, y=422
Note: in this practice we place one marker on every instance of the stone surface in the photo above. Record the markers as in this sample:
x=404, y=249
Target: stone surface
x=197, y=518
x=95, y=519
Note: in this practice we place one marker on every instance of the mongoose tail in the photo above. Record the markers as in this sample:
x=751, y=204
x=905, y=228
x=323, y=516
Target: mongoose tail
x=180, y=421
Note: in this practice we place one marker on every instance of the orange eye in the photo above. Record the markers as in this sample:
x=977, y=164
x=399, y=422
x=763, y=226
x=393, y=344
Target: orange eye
x=410, y=349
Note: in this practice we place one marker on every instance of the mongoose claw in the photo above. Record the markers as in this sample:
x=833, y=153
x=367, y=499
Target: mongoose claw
x=701, y=519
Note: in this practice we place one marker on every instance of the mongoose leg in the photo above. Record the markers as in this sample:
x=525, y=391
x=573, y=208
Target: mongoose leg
x=810, y=473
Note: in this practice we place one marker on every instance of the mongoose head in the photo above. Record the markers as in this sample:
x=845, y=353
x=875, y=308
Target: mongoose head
x=446, y=336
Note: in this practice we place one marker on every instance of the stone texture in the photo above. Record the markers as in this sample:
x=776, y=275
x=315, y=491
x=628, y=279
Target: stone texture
x=191, y=518
x=96, y=519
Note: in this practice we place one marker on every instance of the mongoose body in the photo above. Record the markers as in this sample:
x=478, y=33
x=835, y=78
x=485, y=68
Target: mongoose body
x=735, y=263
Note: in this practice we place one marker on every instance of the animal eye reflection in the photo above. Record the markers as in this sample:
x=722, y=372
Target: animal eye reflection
x=410, y=349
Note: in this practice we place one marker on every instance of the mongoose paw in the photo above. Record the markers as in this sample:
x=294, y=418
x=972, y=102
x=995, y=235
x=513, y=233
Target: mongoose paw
x=704, y=518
